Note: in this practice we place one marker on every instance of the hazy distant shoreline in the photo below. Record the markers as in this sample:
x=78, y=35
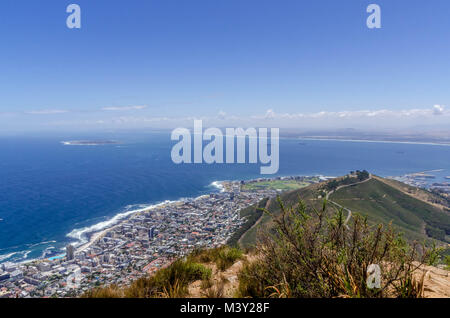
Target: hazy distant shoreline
x=429, y=143
x=89, y=142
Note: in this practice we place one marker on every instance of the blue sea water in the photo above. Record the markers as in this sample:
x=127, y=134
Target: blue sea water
x=52, y=194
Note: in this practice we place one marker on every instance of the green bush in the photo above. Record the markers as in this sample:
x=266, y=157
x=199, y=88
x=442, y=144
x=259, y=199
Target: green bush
x=171, y=281
x=315, y=254
x=227, y=257
x=223, y=256
x=447, y=262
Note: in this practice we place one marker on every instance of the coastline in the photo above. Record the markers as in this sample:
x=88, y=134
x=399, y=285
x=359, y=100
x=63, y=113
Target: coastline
x=94, y=236
x=83, y=238
x=87, y=236
x=140, y=242
x=377, y=141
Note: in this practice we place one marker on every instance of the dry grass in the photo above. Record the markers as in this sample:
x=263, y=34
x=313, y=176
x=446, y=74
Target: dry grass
x=170, y=282
x=215, y=290
x=223, y=256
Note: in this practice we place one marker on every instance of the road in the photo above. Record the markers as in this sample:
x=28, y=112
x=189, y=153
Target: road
x=340, y=206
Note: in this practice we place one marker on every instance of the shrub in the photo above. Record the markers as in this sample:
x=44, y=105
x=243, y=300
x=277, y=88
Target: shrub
x=223, y=256
x=211, y=290
x=315, y=254
x=169, y=282
x=227, y=257
x=105, y=292
x=447, y=262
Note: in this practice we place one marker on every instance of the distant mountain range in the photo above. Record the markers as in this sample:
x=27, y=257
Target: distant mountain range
x=413, y=136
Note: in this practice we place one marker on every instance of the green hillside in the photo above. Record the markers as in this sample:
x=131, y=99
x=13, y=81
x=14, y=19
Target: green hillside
x=382, y=203
x=378, y=201
x=308, y=194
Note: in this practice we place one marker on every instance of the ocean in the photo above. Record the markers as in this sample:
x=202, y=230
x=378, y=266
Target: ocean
x=53, y=194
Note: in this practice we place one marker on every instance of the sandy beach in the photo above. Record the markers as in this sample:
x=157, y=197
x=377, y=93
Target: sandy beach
x=95, y=236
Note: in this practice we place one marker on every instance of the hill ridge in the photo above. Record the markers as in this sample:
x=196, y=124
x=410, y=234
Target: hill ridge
x=374, y=197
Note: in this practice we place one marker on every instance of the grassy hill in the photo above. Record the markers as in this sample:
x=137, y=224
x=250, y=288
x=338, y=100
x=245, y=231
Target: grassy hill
x=380, y=200
x=307, y=194
x=382, y=203
x=421, y=194
x=312, y=258
x=252, y=214
x=308, y=258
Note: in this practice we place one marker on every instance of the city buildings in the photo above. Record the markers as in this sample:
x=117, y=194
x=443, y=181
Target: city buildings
x=137, y=246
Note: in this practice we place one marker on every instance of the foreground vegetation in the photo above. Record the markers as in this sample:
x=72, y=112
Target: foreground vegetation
x=304, y=248
x=313, y=253
x=170, y=282
x=378, y=199
x=223, y=257
x=173, y=281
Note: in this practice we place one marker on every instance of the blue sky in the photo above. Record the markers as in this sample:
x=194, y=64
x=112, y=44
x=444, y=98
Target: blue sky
x=160, y=63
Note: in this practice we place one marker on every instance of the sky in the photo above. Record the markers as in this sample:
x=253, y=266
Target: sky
x=144, y=64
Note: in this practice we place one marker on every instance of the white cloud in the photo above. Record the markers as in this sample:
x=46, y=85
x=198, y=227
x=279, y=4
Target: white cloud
x=383, y=113
x=124, y=108
x=221, y=115
x=438, y=110
x=270, y=114
x=361, y=119
x=47, y=112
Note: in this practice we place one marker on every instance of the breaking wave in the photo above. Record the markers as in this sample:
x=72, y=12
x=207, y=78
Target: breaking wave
x=218, y=185
x=81, y=236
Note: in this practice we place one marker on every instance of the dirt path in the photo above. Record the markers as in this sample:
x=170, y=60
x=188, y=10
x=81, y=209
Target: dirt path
x=340, y=206
x=327, y=198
